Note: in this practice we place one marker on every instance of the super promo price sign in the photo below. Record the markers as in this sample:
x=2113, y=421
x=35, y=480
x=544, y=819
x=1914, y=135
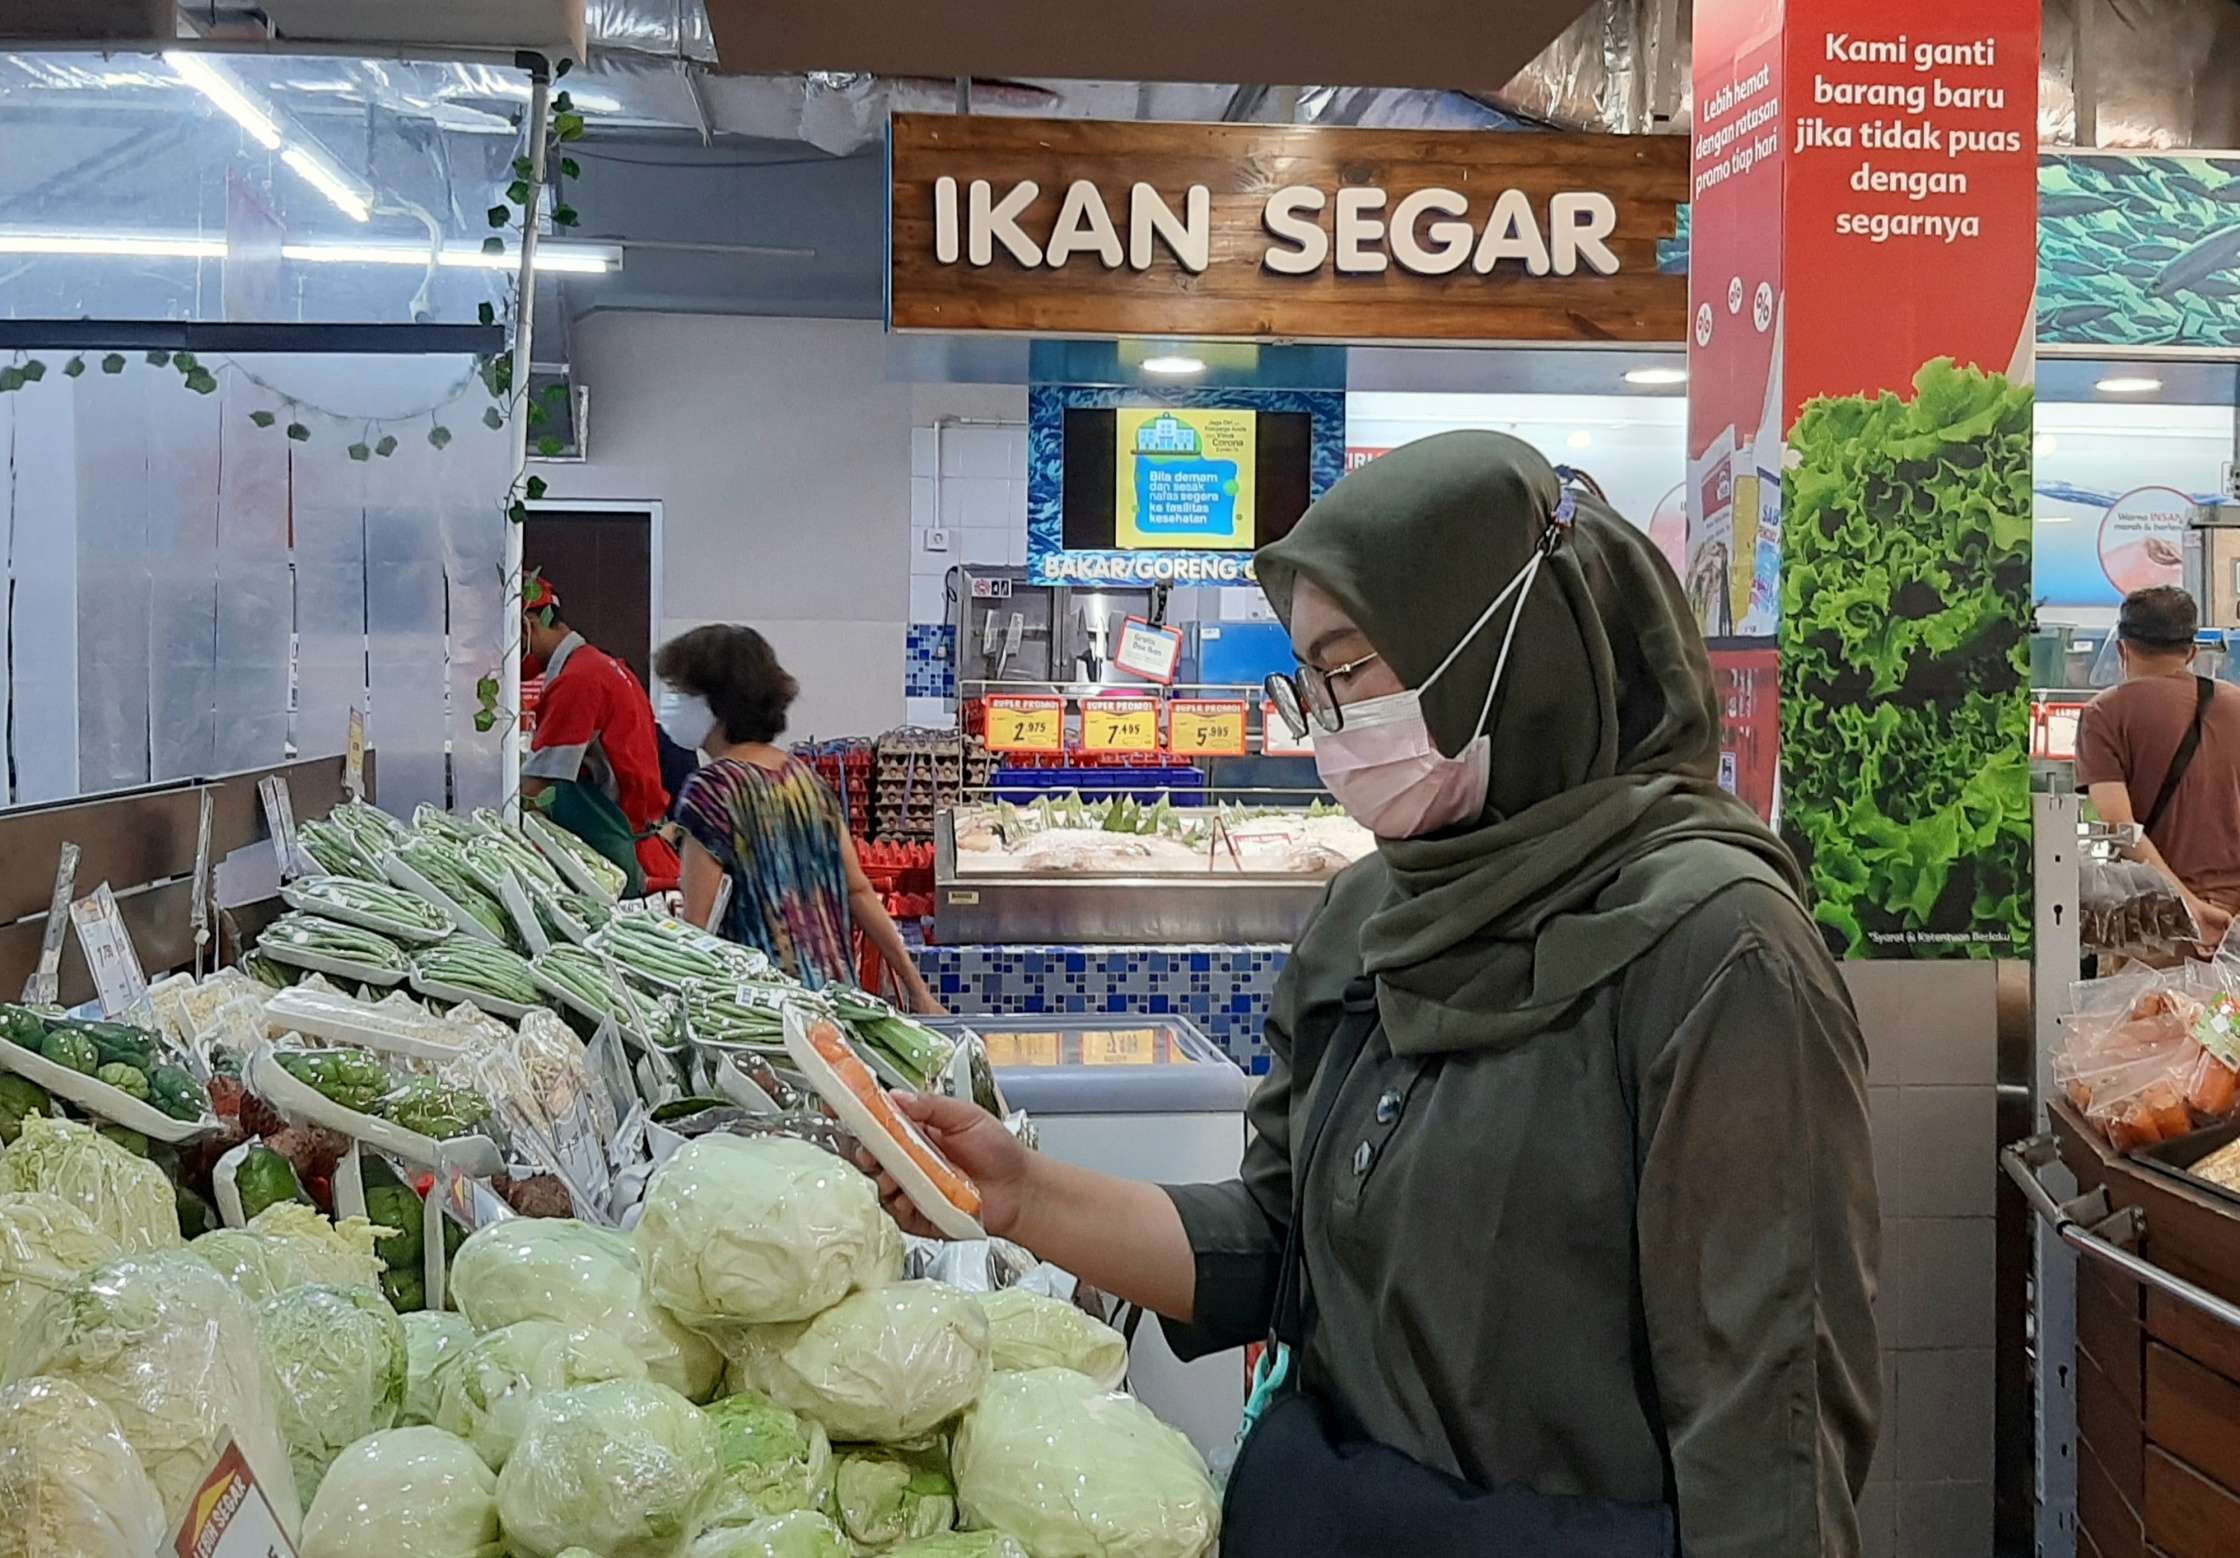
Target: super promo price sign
x=1026, y=724
x=1119, y=725
x=1206, y=727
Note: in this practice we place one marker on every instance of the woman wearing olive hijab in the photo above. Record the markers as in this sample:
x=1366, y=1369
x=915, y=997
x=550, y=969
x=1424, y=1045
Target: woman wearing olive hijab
x=1567, y=1128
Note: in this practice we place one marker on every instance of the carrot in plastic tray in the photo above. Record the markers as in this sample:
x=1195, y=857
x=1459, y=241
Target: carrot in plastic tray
x=936, y=1186
x=2212, y=1088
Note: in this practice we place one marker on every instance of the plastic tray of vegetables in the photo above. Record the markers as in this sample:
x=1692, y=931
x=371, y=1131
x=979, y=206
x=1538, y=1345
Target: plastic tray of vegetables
x=420, y=1118
x=126, y=1075
x=431, y=867
x=496, y=979
x=331, y=947
x=376, y=906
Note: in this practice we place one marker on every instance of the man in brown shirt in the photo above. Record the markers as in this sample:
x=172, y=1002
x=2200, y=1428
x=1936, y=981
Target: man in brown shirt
x=2130, y=735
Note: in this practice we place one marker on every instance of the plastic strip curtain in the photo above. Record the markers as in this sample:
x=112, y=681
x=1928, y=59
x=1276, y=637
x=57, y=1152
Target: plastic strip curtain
x=42, y=643
x=255, y=606
x=115, y=587
x=473, y=546
x=181, y=437
x=328, y=491
x=405, y=600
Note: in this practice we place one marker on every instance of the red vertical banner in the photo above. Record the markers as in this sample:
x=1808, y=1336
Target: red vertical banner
x=1860, y=430
x=1736, y=257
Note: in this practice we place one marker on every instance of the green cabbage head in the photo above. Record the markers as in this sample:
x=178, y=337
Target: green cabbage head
x=1031, y=1331
x=69, y=1483
x=432, y=1337
x=626, y=1469
x=288, y=1245
x=577, y=1276
x=962, y=1544
x=760, y=1230
x=891, y=1493
x=1068, y=1468
x=45, y=1245
x=883, y=1366
x=774, y=1461
x=124, y=1196
x=483, y=1394
x=801, y=1534
x=405, y=1493
x=339, y=1354
x=167, y=1345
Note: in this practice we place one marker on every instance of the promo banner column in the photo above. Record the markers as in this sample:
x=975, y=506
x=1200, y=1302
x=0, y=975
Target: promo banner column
x=1863, y=256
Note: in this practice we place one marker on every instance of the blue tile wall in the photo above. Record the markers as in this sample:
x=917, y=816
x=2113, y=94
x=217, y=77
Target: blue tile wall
x=929, y=665
x=1224, y=990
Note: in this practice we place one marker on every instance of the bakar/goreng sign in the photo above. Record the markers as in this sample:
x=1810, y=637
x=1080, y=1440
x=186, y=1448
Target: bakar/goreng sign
x=1282, y=232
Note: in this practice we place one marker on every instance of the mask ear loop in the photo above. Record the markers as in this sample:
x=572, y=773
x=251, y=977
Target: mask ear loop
x=1558, y=522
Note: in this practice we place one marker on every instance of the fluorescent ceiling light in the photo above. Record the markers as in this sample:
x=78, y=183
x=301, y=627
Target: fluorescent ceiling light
x=2044, y=444
x=108, y=244
x=1647, y=377
x=217, y=86
x=1581, y=440
x=2128, y=384
x=349, y=196
x=1174, y=366
x=568, y=259
x=578, y=259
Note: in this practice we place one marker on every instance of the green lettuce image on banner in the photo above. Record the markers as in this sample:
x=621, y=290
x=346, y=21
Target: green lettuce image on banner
x=1905, y=610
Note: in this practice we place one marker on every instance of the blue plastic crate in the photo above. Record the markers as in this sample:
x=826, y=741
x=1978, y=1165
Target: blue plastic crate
x=1184, y=786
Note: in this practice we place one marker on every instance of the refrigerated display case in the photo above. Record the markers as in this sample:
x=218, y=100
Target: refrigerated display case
x=1080, y=874
x=1148, y=1098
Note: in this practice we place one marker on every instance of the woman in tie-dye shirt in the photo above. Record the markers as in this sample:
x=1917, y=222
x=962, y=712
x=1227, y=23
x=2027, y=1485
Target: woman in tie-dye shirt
x=764, y=819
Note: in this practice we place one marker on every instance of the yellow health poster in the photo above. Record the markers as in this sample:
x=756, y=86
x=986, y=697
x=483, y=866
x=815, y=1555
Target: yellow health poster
x=1182, y=479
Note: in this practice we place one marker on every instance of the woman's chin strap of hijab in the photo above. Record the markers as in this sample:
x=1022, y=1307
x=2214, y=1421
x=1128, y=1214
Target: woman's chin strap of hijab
x=1605, y=736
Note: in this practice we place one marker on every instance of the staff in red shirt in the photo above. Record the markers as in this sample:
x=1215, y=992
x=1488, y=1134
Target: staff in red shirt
x=594, y=747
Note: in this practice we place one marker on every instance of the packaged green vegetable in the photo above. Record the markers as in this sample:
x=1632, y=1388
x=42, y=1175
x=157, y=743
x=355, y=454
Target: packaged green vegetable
x=128, y=1080
x=67, y=1047
x=354, y=1078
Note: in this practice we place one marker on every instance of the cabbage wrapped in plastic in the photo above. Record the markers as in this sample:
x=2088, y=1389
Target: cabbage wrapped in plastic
x=339, y=1355
x=483, y=1394
x=800, y=1534
x=762, y=1229
x=432, y=1337
x=892, y=1493
x=405, y=1493
x=579, y=1277
x=167, y=1345
x=69, y=1484
x=890, y=1364
x=45, y=1245
x=775, y=1461
x=626, y=1469
x=1070, y=1469
x=962, y=1544
x=1032, y=1331
x=289, y=1245
x=124, y=1196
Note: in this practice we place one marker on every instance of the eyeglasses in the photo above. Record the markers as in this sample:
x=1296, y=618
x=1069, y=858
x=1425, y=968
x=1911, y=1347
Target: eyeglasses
x=1310, y=695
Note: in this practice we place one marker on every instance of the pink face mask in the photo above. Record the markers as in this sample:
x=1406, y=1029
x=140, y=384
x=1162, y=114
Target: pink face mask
x=1385, y=769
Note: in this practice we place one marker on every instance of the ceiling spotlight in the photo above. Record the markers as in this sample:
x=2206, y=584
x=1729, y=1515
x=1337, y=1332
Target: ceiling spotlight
x=1649, y=378
x=2128, y=384
x=1174, y=366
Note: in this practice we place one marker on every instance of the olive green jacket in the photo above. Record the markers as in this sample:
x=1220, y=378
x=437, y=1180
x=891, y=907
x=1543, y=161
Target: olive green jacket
x=1631, y=1255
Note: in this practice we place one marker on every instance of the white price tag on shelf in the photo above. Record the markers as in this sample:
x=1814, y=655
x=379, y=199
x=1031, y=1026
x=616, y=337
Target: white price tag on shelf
x=117, y=976
x=354, y=757
x=280, y=821
x=198, y=911
x=45, y=983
